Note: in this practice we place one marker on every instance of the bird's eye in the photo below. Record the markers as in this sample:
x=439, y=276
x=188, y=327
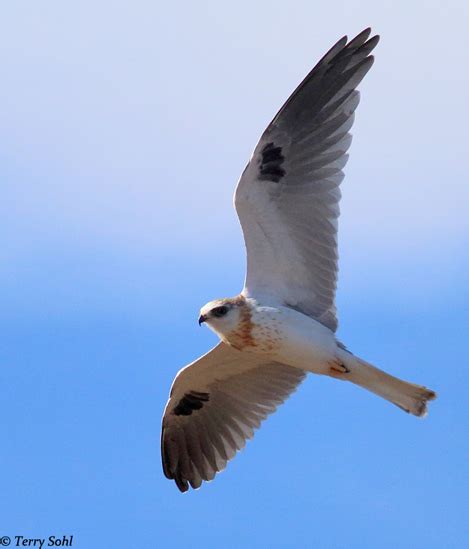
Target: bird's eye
x=220, y=311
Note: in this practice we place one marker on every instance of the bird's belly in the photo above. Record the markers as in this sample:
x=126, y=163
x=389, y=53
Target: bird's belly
x=293, y=338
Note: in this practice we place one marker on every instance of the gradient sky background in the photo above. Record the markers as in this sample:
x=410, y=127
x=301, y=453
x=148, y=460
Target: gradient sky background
x=124, y=128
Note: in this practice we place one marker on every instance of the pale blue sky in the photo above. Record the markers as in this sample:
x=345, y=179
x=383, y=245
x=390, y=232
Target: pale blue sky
x=124, y=128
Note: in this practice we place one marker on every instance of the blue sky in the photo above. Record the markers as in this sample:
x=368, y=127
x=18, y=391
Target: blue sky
x=124, y=129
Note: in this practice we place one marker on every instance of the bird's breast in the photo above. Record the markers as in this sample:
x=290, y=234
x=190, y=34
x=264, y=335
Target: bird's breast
x=285, y=335
x=258, y=331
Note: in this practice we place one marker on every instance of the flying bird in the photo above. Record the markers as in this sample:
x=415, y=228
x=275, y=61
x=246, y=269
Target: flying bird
x=283, y=323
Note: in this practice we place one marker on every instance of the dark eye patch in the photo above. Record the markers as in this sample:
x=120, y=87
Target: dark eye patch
x=219, y=311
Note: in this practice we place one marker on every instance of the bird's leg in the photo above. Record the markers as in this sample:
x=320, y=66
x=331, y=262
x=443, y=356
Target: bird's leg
x=337, y=369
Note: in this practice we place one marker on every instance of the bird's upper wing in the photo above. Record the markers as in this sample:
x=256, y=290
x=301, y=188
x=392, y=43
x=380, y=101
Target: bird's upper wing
x=215, y=404
x=287, y=198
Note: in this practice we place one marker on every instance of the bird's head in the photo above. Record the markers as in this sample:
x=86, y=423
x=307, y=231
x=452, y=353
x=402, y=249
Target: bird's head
x=223, y=315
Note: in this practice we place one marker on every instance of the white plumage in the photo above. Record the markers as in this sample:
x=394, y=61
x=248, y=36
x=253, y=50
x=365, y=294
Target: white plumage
x=283, y=323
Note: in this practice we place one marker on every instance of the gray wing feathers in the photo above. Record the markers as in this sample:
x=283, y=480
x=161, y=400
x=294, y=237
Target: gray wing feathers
x=197, y=443
x=288, y=197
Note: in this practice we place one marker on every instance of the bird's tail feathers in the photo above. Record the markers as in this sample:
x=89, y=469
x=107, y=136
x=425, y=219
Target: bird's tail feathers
x=409, y=397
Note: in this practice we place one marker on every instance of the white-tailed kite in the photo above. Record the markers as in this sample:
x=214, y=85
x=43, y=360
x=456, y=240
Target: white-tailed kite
x=283, y=323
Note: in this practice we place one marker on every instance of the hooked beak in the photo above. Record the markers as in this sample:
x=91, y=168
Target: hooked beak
x=202, y=319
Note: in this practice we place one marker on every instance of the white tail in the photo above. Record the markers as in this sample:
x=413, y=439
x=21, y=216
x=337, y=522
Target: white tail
x=408, y=396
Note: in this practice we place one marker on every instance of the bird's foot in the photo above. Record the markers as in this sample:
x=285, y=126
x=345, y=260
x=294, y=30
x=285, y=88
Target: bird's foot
x=337, y=369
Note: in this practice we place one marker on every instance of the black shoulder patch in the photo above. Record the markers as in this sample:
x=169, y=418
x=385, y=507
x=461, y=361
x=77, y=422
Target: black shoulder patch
x=193, y=400
x=271, y=163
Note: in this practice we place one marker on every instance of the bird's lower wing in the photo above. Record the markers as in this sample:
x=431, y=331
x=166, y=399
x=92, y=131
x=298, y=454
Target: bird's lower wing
x=214, y=406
